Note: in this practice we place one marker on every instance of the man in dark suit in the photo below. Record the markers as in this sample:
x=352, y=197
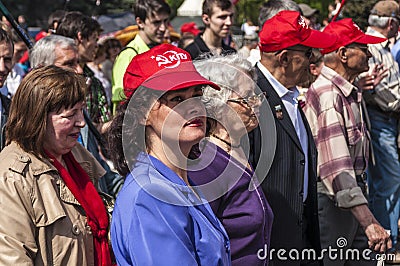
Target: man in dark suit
x=290, y=184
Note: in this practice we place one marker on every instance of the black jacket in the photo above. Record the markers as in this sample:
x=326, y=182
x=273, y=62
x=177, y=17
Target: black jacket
x=283, y=184
x=198, y=49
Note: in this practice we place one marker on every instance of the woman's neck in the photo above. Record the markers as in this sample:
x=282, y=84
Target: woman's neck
x=229, y=144
x=222, y=138
x=176, y=161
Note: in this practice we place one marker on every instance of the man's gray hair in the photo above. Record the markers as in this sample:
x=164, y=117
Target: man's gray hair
x=330, y=57
x=377, y=21
x=226, y=72
x=273, y=7
x=43, y=52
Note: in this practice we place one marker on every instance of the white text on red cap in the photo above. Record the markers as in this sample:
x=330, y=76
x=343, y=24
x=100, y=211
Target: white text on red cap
x=170, y=59
x=302, y=22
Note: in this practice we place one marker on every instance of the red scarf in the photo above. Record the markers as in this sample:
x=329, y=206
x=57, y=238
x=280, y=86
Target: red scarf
x=78, y=182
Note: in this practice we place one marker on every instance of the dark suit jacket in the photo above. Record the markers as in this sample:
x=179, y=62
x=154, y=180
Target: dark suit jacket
x=283, y=185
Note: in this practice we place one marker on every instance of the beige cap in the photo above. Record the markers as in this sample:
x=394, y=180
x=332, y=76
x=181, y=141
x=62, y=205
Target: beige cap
x=387, y=8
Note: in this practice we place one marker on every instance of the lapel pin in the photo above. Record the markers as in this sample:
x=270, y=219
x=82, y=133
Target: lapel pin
x=278, y=112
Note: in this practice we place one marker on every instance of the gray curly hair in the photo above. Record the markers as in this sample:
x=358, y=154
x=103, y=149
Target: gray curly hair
x=225, y=71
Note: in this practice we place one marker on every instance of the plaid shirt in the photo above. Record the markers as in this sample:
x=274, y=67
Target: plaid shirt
x=333, y=109
x=96, y=99
x=387, y=92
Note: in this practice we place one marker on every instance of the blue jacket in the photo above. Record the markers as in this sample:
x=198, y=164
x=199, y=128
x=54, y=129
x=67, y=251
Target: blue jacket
x=159, y=220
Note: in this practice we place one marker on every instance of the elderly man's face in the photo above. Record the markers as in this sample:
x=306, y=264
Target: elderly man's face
x=357, y=57
x=6, y=56
x=67, y=58
x=394, y=22
x=299, y=58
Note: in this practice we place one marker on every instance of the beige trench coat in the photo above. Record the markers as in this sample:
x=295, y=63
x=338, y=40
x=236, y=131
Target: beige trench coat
x=41, y=222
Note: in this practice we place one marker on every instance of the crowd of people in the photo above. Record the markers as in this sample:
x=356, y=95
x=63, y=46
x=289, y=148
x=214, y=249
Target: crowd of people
x=284, y=152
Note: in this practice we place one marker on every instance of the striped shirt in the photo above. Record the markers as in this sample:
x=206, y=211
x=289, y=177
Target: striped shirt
x=387, y=92
x=333, y=109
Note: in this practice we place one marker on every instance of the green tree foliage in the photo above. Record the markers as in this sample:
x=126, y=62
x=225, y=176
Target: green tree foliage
x=174, y=4
x=248, y=10
x=36, y=12
x=359, y=11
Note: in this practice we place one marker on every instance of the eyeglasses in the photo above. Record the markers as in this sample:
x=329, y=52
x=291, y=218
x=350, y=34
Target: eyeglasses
x=308, y=53
x=361, y=48
x=250, y=100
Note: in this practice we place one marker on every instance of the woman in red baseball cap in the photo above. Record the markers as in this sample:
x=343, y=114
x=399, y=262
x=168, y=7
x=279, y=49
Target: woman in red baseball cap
x=160, y=218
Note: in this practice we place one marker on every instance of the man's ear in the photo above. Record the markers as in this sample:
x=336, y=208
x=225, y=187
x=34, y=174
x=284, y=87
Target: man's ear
x=342, y=54
x=313, y=69
x=391, y=22
x=206, y=19
x=79, y=37
x=283, y=58
x=140, y=23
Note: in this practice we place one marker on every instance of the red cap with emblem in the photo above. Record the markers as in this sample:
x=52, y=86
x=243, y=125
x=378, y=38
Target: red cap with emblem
x=288, y=28
x=349, y=33
x=165, y=67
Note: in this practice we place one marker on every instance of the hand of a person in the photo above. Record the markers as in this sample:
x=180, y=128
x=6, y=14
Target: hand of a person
x=369, y=80
x=366, y=82
x=378, y=73
x=378, y=239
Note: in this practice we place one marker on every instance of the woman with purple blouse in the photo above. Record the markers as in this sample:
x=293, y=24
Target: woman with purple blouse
x=222, y=170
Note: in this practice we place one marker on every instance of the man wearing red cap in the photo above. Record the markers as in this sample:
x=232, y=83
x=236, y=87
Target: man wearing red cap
x=152, y=18
x=217, y=18
x=290, y=185
x=383, y=105
x=337, y=120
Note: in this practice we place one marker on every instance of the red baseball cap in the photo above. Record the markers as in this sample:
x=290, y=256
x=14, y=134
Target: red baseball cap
x=40, y=35
x=348, y=32
x=165, y=67
x=190, y=27
x=288, y=28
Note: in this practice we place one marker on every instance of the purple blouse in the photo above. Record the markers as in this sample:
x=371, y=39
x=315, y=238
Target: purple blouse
x=237, y=201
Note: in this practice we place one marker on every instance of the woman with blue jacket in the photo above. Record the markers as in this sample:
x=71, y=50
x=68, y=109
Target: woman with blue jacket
x=160, y=218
